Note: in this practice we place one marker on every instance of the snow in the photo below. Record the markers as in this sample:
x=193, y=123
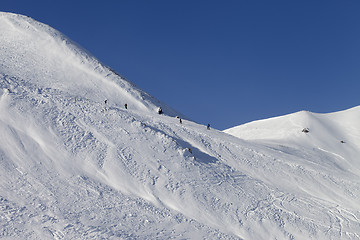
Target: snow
x=73, y=167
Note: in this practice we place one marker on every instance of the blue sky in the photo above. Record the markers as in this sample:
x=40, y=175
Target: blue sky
x=221, y=62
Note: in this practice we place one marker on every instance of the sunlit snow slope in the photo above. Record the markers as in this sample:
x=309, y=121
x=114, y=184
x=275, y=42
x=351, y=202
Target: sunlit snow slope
x=336, y=134
x=72, y=167
x=36, y=53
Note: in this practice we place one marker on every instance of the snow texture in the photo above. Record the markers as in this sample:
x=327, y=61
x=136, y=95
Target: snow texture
x=75, y=167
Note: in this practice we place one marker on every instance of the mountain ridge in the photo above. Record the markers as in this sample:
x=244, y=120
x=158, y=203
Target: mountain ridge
x=46, y=52
x=324, y=131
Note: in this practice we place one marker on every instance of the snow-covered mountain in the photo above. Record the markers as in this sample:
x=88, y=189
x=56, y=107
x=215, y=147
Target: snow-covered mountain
x=335, y=133
x=40, y=55
x=73, y=167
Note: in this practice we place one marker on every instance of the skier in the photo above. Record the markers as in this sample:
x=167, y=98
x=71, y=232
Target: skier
x=125, y=105
x=208, y=126
x=160, y=110
x=180, y=121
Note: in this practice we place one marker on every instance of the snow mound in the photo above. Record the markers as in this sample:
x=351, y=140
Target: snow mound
x=73, y=167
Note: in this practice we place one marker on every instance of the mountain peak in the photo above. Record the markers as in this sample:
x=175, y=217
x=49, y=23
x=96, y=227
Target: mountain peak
x=38, y=54
x=337, y=133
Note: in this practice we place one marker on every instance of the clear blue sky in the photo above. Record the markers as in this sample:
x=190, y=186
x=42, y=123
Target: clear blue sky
x=221, y=62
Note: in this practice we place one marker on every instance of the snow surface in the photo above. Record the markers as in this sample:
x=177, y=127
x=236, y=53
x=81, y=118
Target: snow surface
x=73, y=167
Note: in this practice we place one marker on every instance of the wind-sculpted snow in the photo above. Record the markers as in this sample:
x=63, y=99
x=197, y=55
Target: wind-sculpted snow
x=36, y=53
x=73, y=167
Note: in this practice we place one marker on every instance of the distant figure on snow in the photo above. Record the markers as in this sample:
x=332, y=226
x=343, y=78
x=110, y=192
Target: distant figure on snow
x=208, y=126
x=180, y=121
x=106, y=106
x=160, y=110
x=125, y=105
x=305, y=130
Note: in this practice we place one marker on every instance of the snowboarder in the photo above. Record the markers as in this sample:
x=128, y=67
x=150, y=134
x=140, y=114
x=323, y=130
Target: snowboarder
x=160, y=110
x=125, y=105
x=208, y=126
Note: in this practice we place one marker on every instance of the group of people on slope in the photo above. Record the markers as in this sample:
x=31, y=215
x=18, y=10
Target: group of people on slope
x=160, y=111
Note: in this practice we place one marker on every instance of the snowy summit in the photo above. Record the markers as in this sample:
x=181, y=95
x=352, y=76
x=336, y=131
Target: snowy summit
x=77, y=163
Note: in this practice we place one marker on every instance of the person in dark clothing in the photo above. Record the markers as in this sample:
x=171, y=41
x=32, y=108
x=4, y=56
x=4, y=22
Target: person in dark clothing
x=305, y=130
x=160, y=110
x=208, y=126
x=125, y=105
x=180, y=121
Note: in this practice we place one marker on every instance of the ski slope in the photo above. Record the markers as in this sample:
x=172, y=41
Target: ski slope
x=73, y=167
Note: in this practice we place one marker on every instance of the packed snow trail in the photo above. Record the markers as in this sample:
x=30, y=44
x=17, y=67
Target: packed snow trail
x=73, y=167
